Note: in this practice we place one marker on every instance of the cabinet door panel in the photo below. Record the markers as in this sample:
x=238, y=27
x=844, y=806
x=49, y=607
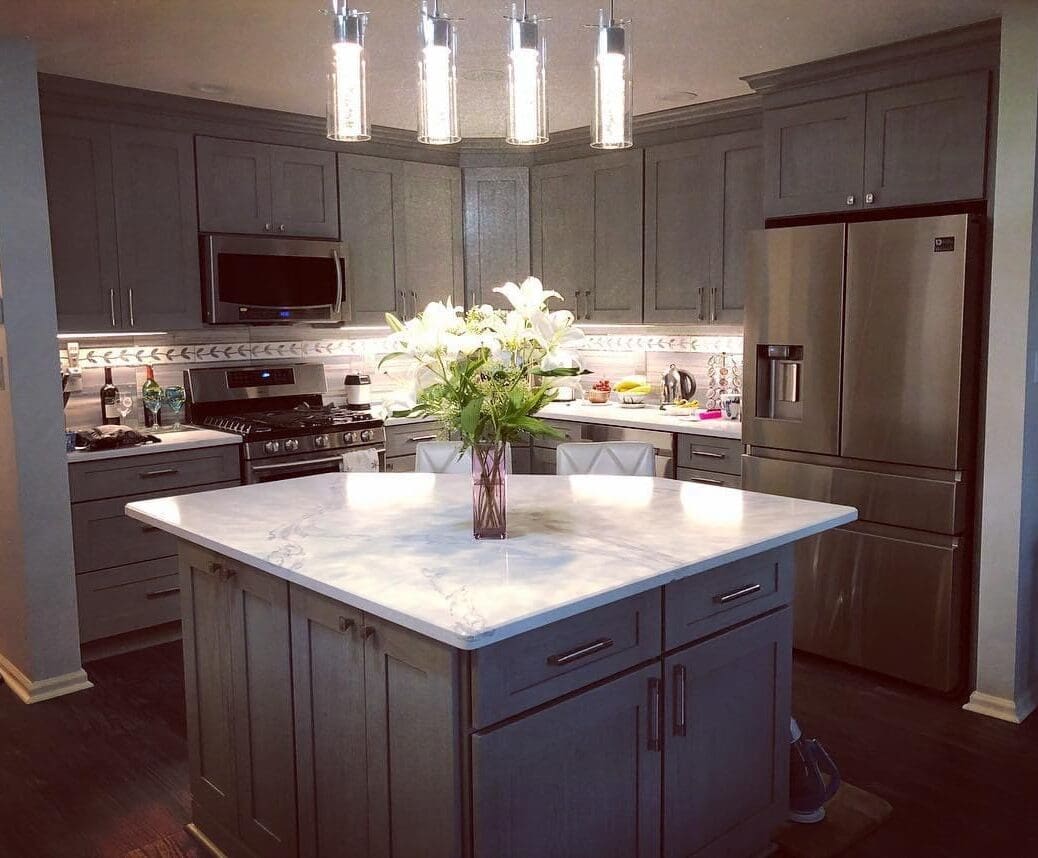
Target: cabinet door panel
x=577, y=778
x=617, y=187
x=414, y=744
x=743, y=212
x=304, y=192
x=234, y=193
x=431, y=243
x=262, y=678
x=726, y=778
x=562, y=231
x=682, y=230
x=927, y=142
x=207, y=683
x=328, y=694
x=497, y=231
x=78, y=160
x=371, y=210
x=155, y=209
x=814, y=154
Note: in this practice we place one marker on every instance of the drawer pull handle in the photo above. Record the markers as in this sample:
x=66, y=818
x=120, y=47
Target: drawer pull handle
x=158, y=594
x=161, y=472
x=703, y=454
x=654, y=714
x=561, y=659
x=737, y=594
x=705, y=481
x=680, y=719
x=419, y=438
x=148, y=528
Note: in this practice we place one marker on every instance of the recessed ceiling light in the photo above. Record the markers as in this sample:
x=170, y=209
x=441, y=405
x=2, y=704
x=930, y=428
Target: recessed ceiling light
x=209, y=88
x=483, y=75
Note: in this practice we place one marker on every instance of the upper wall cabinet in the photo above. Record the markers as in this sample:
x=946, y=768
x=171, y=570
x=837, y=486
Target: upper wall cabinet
x=703, y=197
x=123, y=226
x=497, y=231
x=913, y=144
x=257, y=188
x=586, y=227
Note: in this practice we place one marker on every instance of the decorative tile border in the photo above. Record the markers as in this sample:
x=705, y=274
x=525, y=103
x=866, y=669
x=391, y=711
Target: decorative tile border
x=364, y=347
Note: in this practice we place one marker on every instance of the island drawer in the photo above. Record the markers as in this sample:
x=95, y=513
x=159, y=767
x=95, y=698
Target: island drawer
x=156, y=473
x=710, y=454
x=572, y=432
x=709, y=478
x=400, y=464
x=127, y=599
x=403, y=440
x=541, y=665
x=720, y=598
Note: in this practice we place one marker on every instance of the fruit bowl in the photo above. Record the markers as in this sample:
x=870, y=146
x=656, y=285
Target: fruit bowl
x=598, y=397
x=628, y=398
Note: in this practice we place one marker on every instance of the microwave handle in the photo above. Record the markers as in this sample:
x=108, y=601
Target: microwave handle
x=339, y=281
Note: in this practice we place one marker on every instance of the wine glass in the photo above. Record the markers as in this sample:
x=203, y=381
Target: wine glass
x=124, y=402
x=152, y=398
x=174, y=398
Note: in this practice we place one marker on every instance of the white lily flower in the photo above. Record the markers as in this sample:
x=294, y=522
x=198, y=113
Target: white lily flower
x=512, y=327
x=560, y=360
x=555, y=329
x=528, y=298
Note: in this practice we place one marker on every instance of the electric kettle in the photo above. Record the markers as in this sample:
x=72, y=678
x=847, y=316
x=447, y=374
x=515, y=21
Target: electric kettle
x=677, y=384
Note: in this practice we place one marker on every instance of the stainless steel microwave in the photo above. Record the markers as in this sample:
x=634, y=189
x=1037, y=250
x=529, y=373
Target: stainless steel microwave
x=270, y=281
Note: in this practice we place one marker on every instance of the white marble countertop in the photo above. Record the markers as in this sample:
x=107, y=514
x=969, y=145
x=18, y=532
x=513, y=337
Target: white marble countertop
x=400, y=546
x=171, y=442
x=649, y=417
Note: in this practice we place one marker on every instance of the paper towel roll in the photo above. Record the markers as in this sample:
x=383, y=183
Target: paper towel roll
x=364, y=461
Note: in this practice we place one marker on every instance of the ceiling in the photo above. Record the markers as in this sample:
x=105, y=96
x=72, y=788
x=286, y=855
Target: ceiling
x=273, y=53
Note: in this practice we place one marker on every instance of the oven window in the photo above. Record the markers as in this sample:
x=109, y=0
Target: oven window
x=259, y=280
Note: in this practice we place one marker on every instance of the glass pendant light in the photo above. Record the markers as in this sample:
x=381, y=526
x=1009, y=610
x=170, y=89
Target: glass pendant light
x=437, y=77
x=347, y=82
x=527, y=99
x=614, y=90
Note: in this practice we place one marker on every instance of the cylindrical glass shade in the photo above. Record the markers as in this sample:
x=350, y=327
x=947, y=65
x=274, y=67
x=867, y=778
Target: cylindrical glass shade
x=347, y=81
x=527, y=94
x=614, y=89
x=437, y=79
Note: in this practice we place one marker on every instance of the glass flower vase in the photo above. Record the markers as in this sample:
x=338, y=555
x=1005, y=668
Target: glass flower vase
x=489, y=478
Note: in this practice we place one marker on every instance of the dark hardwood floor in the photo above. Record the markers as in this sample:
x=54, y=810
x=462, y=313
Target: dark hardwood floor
x=103, y=774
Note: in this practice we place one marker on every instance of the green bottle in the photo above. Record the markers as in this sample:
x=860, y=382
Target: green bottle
x=151, y=394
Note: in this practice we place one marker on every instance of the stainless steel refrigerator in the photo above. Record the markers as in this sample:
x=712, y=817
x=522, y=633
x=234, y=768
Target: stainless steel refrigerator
x=860, y=375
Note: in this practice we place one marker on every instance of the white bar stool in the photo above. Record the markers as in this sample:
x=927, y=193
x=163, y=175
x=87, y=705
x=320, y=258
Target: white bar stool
x=618, y=458
x=446, y=457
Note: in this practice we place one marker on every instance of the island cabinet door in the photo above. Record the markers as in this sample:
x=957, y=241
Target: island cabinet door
x=262, y=683
x=727, y=740
x=414, y=744
x=580, y=778
x=328, y=694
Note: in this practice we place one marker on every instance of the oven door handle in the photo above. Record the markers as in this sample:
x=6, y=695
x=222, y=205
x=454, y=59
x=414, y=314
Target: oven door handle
x=298, y=464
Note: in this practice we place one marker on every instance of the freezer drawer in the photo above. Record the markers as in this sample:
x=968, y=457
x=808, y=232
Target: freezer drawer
x=888, y=602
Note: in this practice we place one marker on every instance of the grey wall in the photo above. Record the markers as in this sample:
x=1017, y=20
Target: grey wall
x=39, y=632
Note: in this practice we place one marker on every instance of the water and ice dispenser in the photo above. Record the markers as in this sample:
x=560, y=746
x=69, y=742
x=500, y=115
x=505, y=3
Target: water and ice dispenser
x=779, y=382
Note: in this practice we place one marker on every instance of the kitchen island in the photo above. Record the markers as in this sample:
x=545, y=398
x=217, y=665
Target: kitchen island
x=364, y=678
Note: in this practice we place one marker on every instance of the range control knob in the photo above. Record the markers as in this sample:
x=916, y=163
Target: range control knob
x=365, y=435
x=291, y=445
x=321, y=441
x=347, y=437
x=271, y=447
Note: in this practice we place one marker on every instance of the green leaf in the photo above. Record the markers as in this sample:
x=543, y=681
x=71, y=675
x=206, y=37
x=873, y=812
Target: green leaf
x=389, y=357
x=468, y=420
x=560, y=372
x=394, y=323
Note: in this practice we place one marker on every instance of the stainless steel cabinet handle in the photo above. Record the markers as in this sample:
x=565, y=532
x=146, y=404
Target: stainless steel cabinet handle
x=700, y=313
x=869, y=199
x=587, y=304
x=268, y=227
x=414, y=303
x=419, y=438
x=713, y=304
x=577, y=314
x=345, y=624
x=161, y=472
x=111, y=305
x=705, y=455
x=680, y=717
x=282, y=228
x=851, y=199
x=736, y=594
x=654, y=714
x=339, y=284
x=560, y=659
x=705, y=481
x=367, y=632
x=401, y=307
x=130, y=296
x=158, y=594
x=221, y=571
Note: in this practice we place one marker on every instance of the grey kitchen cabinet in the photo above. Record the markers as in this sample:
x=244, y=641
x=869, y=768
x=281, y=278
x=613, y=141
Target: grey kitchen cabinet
x=371, y=212
x=157, y=228
x=586, y=239
x=430, y=253
x=257, y=188
x=238, y=673
x=581, y=777
x=703, y=197
x=927, y=142
x=124, y=231
x=497, y=231
x=727, y=744
x=78, y=158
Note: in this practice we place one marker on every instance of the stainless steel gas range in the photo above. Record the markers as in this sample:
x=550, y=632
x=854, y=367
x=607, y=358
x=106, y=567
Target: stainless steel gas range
x=287, y=429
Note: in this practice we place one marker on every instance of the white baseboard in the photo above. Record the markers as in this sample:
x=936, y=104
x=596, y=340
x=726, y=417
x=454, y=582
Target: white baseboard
x=1003, y=708
x=30, y=691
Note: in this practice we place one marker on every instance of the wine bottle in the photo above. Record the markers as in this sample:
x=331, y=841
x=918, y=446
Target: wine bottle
x=151, y=394
x=109, y=401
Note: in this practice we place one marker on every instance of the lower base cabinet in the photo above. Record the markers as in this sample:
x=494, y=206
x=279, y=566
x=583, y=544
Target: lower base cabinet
x=318, y=731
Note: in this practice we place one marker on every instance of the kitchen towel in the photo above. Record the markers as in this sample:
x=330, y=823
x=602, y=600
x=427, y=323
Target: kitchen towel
x=360, y=461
